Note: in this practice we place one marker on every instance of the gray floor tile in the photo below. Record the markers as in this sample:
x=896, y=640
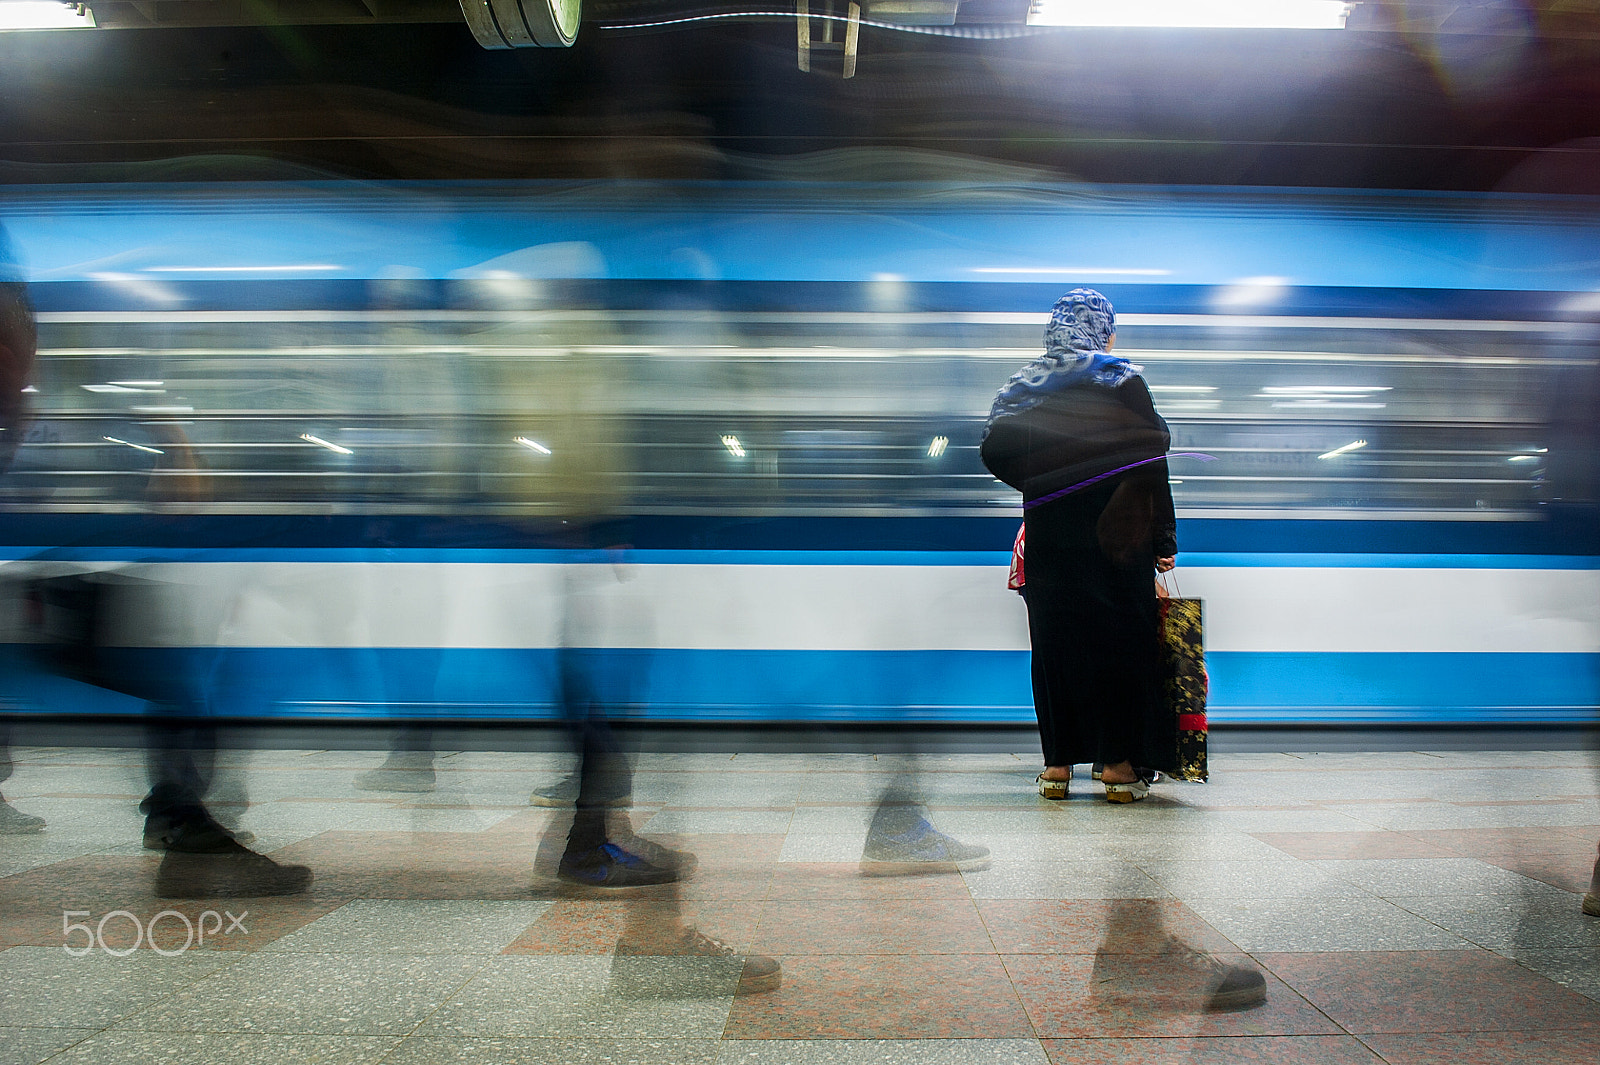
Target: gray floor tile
x=1211, y=845
x=208, y=1048
x=386, y=926
x=44, y=986
x=1577, y=969
x=29, y=1046
x=1248, y=880
x=1307, y=820
x=742, y=822
x=418, y=818
x=1325, y=924
x=314, y=994
x=1543, y=920
x=1387, y=877
x=1082, y=879
x=882, y=1052
x=565, y=996
x=435, y=1050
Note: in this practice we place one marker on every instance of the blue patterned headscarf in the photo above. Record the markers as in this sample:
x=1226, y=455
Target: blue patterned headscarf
x=1082, y=323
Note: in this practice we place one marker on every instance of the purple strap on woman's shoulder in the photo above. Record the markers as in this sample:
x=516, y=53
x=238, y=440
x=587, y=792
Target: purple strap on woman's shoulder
x=1058, y=493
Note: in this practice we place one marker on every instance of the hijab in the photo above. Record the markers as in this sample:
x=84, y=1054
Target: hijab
x=1082, y=323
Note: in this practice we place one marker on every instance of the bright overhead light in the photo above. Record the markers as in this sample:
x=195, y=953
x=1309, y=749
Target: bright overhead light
x=1323, y=390
x=1074, y=271
x=533, y=445
x=937, y=445
x=276, y=268
x=44, y=15
x=1351, y=446
x=735, y=448
x=122, y=387
x=1193, y=14
x=139, y=384
x=136, y=447
x=327, y=444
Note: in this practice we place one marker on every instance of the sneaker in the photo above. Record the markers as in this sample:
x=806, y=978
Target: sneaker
x=1181, y=980
x=228, y=870
x=611, y=868
x=1591, y=904
x=920, y=850
x=159, y=835
x=692, y=965
x=13, y=822
x=564, y=792
x=651, y=851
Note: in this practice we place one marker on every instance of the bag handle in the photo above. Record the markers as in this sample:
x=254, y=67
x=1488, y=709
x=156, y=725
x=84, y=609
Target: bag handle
x=1162, y=591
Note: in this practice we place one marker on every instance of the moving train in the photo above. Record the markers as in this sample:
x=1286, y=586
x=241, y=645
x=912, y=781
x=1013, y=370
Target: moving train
x=357, y=451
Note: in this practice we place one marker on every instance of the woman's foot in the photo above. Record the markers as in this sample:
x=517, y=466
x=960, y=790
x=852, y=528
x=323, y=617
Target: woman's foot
x=1121, y=773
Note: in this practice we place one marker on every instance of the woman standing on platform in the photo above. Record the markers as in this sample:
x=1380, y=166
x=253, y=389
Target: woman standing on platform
x=1077, y=433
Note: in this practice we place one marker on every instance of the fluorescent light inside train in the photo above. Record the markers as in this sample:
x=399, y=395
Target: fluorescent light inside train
x=326, y=443
x=136, y=447
x=1336, y=452
x=735, y=448
x=44, y=15
x=532, y=445
x=1193, y=14
x=937, y=446
x=120, y=387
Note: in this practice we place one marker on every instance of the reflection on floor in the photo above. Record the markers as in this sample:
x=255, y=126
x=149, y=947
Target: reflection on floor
x=1408, y=908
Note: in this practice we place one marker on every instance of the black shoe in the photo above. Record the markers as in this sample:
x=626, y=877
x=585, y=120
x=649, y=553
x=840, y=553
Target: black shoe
x=226, y=871
x=1235, y=987
x=692, y=965
x=654, y=853
x=1180, y=980
x=160, y=835
x=1591, y=904
x=13, y=822
x=610, y=868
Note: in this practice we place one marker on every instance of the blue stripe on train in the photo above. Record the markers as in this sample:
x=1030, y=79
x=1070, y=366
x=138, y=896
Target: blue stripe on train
x=820, y=686
x=268, y=538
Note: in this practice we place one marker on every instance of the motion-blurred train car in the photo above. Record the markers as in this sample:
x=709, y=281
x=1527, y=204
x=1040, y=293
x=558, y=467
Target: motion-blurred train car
x=385, y=449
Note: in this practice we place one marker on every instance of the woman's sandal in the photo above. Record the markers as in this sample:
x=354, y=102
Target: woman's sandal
x=1131, y=792
x=1052, y=789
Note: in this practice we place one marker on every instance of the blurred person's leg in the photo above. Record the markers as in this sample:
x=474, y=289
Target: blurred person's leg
x=203, y=858
x=13, y=822
x=407, y=681
x=901, y=840
x=603, y=851
x=1140, y=967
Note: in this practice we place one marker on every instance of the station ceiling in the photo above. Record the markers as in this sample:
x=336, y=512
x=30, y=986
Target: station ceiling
x=1472, y=95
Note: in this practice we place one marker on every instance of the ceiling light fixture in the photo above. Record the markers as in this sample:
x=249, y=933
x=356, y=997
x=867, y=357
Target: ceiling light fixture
x=937, y=446
x=1193, y=14
x=532, y=445
x=735, y=448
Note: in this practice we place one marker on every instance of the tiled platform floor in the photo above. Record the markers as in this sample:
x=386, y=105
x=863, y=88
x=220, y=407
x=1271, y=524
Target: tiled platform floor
x=1410, y=908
